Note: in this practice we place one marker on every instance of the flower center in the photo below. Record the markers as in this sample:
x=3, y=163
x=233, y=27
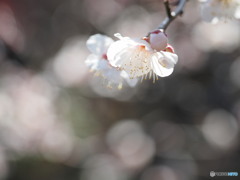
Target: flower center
x=104, y=56
x=137, y=62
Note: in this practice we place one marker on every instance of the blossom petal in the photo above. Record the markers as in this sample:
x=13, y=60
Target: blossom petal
x=163, y=63
x=94, y=62
x=98, y=44
x=215, y=10
x=237, y=12
x=131, y=56
x=115, y=50
x=131, y=82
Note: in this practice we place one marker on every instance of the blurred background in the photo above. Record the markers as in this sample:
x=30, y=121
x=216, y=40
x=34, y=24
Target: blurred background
x=58, y=121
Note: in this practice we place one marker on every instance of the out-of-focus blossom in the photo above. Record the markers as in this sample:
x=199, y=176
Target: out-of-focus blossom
x=130, y=144
x=223, y=37
x=99, y=13
x=214, y=10
x=103, y=167
x=138, y=57
x=10, y=30
x=220, y=129
x=160, y=172
x=235, y=73
x=98, y=61
x=29, y=119
x=130, y=22
x=68, y=63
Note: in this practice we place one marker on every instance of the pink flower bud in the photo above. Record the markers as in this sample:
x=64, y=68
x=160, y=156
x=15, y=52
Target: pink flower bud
x=169, y=48
x=158, y=40
x=104, y=56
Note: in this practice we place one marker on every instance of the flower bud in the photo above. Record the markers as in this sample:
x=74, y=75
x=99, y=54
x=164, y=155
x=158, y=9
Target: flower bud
x=169, y=48
x=158, y=40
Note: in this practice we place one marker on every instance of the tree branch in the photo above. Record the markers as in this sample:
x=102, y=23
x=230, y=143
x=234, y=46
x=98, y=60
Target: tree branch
x=168, y=10
x=172, y=15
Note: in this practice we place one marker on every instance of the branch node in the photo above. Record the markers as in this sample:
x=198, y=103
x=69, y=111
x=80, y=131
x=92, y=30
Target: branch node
x=167, y=8
x=171, y=15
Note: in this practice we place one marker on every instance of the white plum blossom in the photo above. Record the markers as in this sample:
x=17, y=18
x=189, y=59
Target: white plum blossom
x=98, y=62
x=150, y=56
x=215, y=10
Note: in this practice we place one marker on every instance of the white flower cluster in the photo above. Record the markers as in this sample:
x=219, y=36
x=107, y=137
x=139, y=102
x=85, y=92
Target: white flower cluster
x=128, y=59
x=215, y=10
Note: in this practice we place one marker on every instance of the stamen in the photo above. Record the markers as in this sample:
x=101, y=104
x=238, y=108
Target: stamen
x=145, y=78
x=142, y=79
x=109, y=86
x=120, y=86
x=150, y=74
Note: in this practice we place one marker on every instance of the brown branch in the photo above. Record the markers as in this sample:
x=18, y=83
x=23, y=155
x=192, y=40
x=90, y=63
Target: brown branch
x=167, y=7
x=171, y=15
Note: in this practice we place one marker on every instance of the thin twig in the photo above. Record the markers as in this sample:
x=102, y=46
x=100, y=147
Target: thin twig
x=167, y=7
x=178, y=11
